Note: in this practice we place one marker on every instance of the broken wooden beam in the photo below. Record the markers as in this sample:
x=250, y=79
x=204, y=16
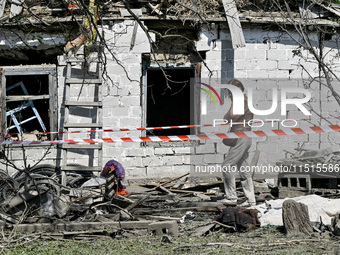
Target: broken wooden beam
x=80, y=226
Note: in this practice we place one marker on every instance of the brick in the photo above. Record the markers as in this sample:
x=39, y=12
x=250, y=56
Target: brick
x=114, y=151
x=256, y=54
x=278, y=74
x=111, y=102
x=180, y=170
x=213, y=158
x=205, y=148
x=135, y=111
x=135, y=152
x=266, y=65
x=172, y=160
x=202, y=45
x=135, y=172
x=152, y=161
x=120, y=111
x=184, y=150
x=164, y=151
x=286, y=65
x=158, y=171
x=130, y=122
x=246, y=64
x=163, y=228
x=277, y=54
x=128, y=101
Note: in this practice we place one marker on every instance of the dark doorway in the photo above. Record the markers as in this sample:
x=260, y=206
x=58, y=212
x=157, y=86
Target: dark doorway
x=165, y=106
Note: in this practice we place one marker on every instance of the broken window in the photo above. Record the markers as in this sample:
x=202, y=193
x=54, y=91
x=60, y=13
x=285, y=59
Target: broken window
x=29, y=100
x=168, y=106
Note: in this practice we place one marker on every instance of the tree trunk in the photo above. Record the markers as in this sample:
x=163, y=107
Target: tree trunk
x=296, y=219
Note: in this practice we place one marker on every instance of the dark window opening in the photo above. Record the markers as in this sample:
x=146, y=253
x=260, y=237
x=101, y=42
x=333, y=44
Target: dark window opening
x=293, y=182
x=27, y=103
x=284, y=182
x=168, y=107
x=303, y=182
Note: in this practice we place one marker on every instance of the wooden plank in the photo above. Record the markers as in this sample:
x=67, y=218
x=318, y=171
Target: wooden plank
x=327, y=8
x=196, y=209
x=82, y=168
x=23, y=98
x=79, y=103
x=83, y=125
x=89, y=146
x=80, y=226
x=83, y=81
x=130, y=207
x=234, y=23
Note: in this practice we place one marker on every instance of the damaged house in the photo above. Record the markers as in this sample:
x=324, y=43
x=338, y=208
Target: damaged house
x=110, y=69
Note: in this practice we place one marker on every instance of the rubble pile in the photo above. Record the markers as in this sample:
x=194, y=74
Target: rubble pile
x=87, y=207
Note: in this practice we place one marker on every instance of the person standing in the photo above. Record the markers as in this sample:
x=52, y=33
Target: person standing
x=238, y=154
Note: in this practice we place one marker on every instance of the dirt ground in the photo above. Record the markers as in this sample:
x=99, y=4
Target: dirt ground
x=265, y=240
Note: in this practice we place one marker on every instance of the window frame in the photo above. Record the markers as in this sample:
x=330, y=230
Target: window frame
x=158, y=66
x=50, y=71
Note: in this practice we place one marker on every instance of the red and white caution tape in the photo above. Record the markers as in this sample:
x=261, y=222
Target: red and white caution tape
x=246, y=134
x=153, y=128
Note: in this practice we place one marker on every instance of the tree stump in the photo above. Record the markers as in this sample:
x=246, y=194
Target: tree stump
x=336, y=225
x=296, y=219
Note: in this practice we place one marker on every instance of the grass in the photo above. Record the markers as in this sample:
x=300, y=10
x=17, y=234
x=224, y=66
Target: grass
x=266, y=240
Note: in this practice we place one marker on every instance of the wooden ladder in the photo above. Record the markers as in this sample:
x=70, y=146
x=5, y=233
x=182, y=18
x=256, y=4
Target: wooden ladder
x=95, y=106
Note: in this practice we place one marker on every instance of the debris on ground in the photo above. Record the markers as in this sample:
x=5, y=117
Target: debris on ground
x=92, y=207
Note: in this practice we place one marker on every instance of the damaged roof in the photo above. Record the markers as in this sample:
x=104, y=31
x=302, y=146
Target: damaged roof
x=19, y=12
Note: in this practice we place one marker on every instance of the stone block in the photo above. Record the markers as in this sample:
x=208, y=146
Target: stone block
x=172, y=160
x=256, y=54
x=277, y=54
x=179, y=170
x=266, y=65
x=158, y=171
x=128, y=101
x=202, y=45
x=205, y=148
x=164, y=151
x=184, y=150
x=135, y=152
x=135, y=172
x=163, y=228
x=152, y=161
x=213, y=158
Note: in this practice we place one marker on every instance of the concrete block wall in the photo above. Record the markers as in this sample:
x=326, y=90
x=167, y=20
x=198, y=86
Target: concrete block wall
x=267, y=55
x=271, y=55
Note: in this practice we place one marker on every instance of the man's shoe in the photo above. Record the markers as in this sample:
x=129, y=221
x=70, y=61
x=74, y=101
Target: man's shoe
x=248, y=204
x=228, y=201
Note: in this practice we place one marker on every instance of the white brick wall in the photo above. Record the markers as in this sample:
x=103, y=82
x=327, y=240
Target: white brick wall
x=268, y=54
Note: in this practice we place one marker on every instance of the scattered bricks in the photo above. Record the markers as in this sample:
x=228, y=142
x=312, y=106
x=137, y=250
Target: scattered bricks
x=163, y=228
x=164, y=151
